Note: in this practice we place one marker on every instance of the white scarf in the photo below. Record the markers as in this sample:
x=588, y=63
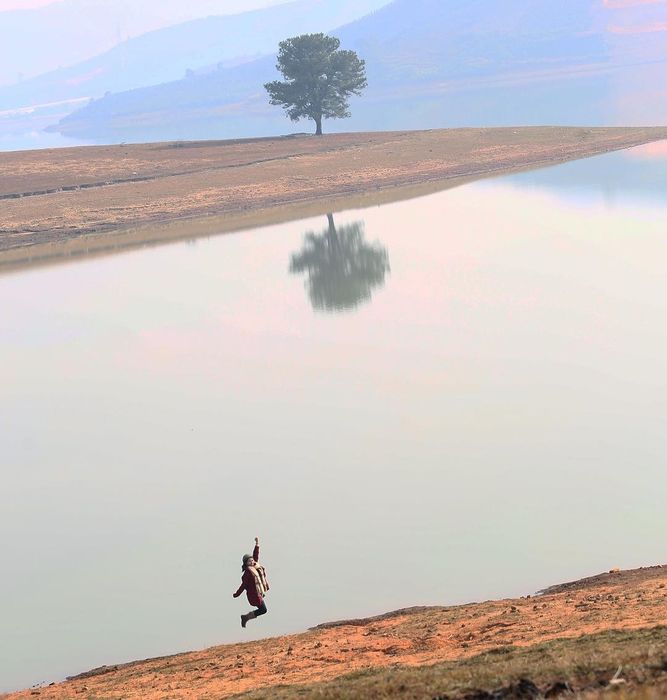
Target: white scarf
x=261, y=584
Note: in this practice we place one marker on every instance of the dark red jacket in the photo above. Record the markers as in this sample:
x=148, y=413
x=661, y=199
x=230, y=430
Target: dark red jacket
x=248, y=583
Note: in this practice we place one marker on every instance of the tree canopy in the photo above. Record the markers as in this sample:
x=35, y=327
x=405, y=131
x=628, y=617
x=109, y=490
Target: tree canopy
x=343, y=269
x=319, y=78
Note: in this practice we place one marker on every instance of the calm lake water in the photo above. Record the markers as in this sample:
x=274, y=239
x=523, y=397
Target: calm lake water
x=449, y=399
x=36, y=140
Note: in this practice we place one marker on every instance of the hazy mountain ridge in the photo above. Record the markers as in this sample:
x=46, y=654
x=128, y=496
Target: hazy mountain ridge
x=453, y=63
x=166, y=54
x=33, y=41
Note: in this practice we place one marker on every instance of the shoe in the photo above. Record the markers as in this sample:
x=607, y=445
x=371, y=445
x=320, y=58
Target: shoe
x=244, y=620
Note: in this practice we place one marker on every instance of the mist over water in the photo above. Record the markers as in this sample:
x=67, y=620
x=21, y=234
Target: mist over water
x=37, y=140
x=473, y=379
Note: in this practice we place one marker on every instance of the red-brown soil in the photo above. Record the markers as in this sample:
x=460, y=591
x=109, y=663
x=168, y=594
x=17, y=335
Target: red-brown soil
x=418, y=636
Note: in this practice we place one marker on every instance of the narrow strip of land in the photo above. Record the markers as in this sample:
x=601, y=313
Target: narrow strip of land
x=81, y=200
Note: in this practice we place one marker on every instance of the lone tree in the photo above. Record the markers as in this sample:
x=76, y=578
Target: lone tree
x=319, y=78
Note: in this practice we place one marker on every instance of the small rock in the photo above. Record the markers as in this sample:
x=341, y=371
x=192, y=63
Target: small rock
x=558, y=688
x=526, y=689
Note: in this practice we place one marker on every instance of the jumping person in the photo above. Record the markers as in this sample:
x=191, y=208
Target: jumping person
x=253, y=582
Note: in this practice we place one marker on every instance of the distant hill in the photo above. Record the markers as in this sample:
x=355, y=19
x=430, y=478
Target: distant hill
x=167, y=54
x=65, y=32
x=435, y=63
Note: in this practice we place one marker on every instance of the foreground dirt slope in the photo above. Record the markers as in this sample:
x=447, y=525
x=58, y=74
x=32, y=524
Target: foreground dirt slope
x=59, y=195
x=413, y=637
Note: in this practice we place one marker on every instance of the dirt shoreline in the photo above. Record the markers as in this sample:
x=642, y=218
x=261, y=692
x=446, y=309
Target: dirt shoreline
x=415, y=637
x=65, y=203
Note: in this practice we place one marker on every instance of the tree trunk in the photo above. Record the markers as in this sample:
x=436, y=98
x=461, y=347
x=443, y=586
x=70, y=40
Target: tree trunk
x=332, y=236
x=318, y=123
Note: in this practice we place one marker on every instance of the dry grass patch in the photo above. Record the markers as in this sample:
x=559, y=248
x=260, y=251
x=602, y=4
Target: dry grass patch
x=588, y=666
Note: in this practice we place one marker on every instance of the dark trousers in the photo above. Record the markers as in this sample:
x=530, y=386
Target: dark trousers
x=261, y=610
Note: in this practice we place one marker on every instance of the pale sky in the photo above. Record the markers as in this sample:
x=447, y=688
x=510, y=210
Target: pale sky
x=230, y=5
x=22, y=4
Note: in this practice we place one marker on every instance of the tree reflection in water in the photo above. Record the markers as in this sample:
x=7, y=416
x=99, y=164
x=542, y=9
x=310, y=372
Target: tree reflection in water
x=343, y=269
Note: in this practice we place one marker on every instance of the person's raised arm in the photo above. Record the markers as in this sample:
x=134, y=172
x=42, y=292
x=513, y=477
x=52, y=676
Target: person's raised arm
x=255, y=553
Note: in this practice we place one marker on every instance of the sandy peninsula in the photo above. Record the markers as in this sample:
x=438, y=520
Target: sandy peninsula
x=76, y=201
x=590, y=636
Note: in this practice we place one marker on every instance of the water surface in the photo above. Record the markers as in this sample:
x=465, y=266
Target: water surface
x=437, y=401
x=35, y=140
